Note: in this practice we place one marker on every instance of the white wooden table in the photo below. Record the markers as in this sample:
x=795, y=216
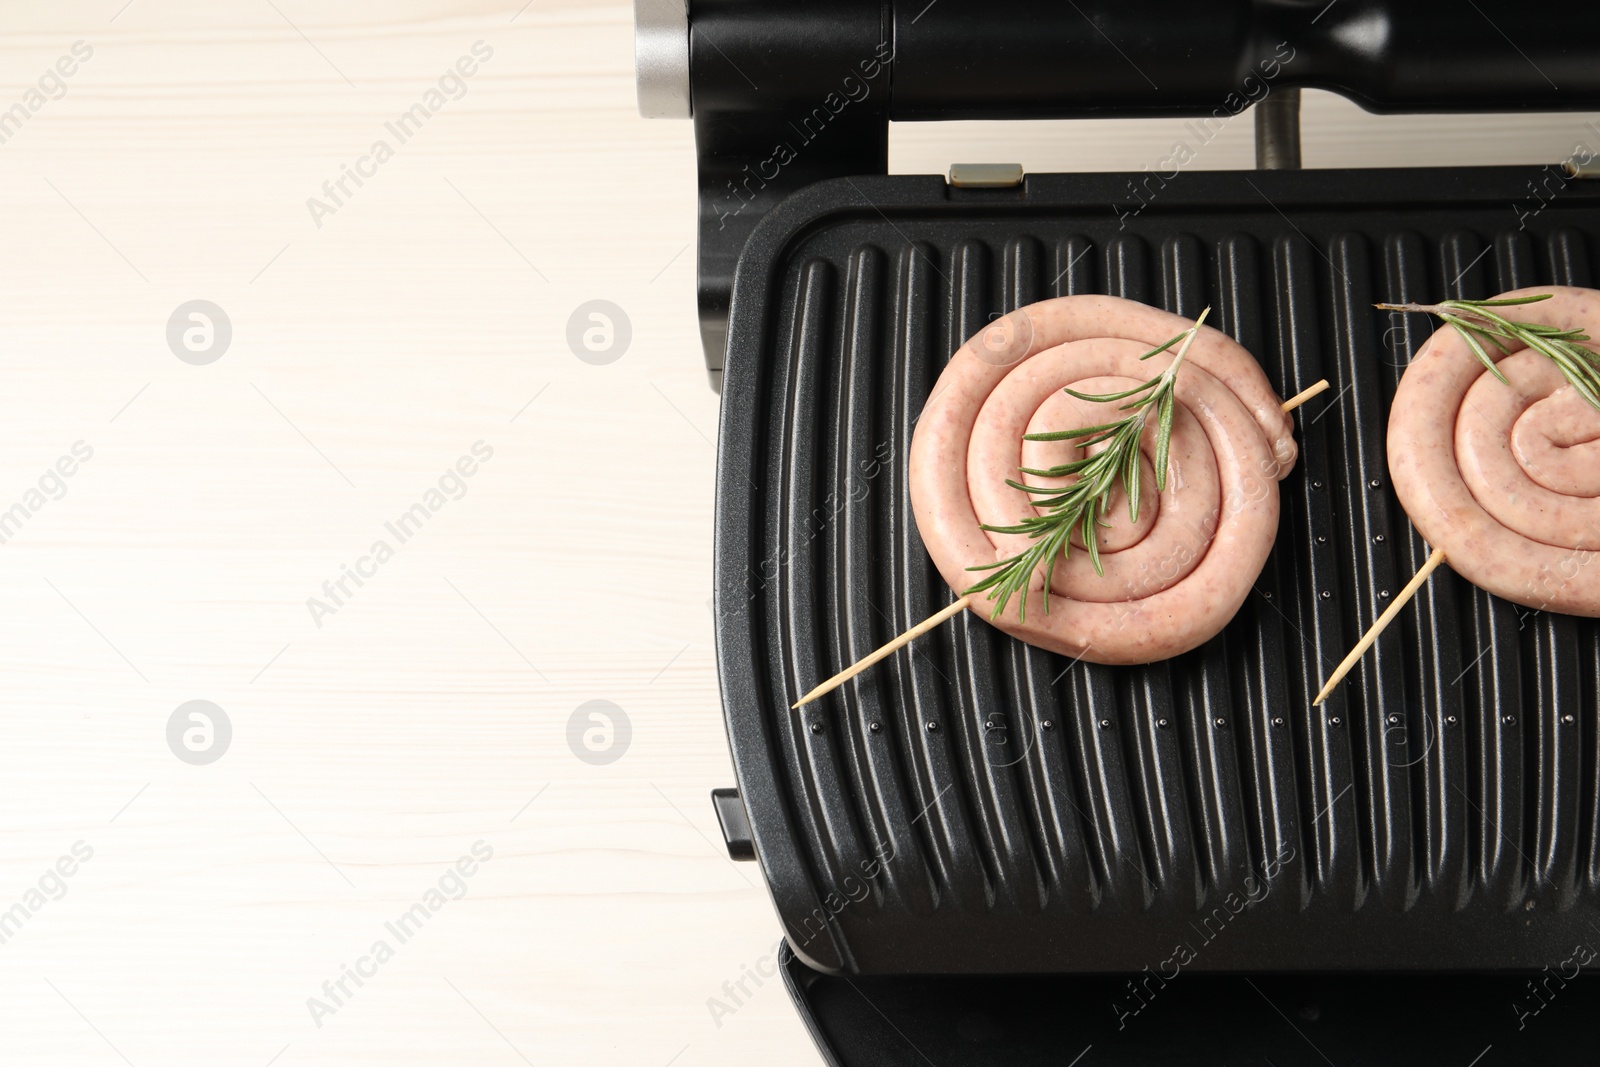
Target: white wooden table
x=375, y=341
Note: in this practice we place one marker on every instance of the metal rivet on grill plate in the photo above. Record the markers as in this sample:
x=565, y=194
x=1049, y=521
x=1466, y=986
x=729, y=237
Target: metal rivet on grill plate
x=1451, y=719
x=1569, y=718
x=1394, y=720
x=1105, y=724
x=875, y=727
x=933, y=727
x=816, y=727
x=1161, y=723
x=1376, y=483
x=1327, y=594
x=1316, y=485
x=1046, y=724
x=1509, y=720
x=1334, y=721
x=1380, y=539
x=1277, y=720
x=1220, y=721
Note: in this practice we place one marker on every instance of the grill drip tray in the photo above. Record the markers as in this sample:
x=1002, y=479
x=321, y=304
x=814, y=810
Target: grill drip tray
x=1439, y=813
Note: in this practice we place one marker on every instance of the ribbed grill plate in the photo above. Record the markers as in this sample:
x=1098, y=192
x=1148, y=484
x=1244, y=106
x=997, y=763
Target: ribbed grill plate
x=977, y=805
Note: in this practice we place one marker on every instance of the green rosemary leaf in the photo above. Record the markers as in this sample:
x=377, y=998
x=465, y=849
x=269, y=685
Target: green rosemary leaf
x=1026, y=488
x=1468, y=335
x=1156, y=351
x=1071, y=435
x=1132, y=479
x=1062, y=471
x=1106, y=398
x=1090, y=442
x=1052, y=556
x=1509, y=302
x=1581, y=379
x=1091, y=538
x=1163, y=441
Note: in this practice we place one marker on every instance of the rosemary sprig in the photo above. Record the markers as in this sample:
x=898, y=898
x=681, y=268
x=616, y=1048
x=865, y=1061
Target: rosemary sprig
x=1474, y=321
x=1080, y=507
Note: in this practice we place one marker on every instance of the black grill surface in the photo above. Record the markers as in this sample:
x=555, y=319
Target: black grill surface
x=977, y=805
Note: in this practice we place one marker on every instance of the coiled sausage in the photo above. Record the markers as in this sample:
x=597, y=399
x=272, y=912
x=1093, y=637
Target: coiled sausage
x=1174, y=578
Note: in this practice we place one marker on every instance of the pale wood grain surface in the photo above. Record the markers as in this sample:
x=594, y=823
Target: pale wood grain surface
x=430, y=711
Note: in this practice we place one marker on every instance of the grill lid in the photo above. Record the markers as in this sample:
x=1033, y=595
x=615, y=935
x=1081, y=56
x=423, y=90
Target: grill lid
x=783, y=94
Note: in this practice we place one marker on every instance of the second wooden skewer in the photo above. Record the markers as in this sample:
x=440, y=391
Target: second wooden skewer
x=1367, y=639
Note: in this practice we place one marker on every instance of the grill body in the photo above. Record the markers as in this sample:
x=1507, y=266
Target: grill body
x=978, y=806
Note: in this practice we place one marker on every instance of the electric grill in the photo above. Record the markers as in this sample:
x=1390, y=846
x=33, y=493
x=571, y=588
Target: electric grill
x=981, y=852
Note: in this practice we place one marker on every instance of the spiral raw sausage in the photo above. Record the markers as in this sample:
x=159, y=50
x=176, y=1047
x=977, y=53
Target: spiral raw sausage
x=1173, y=579
x=1505, y=478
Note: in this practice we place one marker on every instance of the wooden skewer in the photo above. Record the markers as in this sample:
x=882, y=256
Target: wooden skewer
x=900, y=642
x=1305, y=394
x=1436, y=558
x=964, y=602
